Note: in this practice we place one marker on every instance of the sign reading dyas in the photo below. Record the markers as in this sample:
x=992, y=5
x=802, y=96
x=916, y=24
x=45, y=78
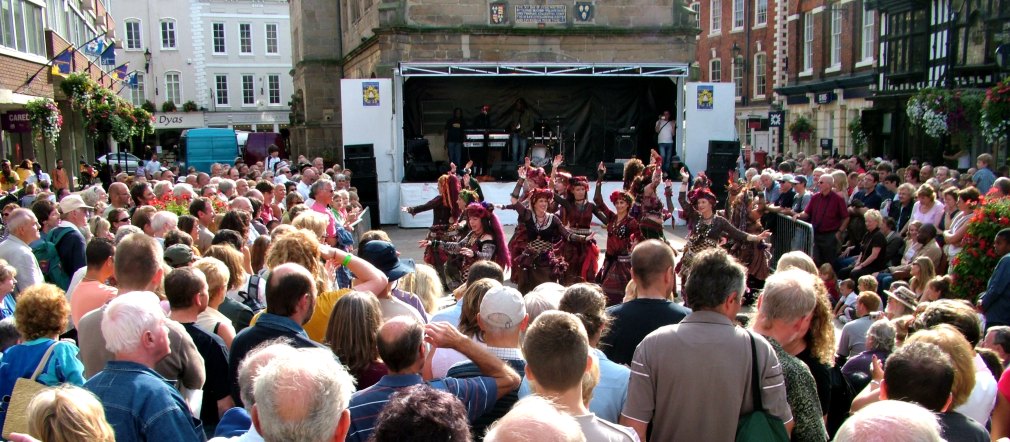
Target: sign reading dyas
x=178, y=120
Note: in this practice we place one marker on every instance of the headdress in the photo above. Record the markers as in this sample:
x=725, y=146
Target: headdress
x=485, y=211
x=537, y=176
x=565, y=177
x=618, y=195
x=580, y=180
x=448, y=189
x=469, y=196
x=541, y=192
x=701, y=193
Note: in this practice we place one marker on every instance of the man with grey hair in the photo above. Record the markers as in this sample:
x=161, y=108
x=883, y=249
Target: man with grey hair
x=317, y=413
x=698, y=362
x=785, y=309
x=161, y=223
x=138, y=402
x=879, y=344
x=829, y=217
x=321, y=194
x=535, y=418
x=236, y=423
x=226, y=189
x=900, y=421
x=997, y=339
x=24, y=229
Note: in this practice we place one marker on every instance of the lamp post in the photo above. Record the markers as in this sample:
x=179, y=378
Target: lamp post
x=147, y=60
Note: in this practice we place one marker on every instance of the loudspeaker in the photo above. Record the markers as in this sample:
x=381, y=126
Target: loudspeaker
x=624, y=146
x=360, y=167
x=358, y=151
x=615, y=172
x=724, y=147
x=366, y=181
x=420, y=172
x=719, y=165
x=418, y=150
x=505, y=170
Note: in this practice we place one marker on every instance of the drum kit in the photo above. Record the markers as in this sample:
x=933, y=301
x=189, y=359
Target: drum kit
x=548, y=139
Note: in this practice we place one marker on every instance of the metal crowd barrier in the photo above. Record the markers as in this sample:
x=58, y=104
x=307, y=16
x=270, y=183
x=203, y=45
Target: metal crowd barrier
x=791, y=234
x=363, y=225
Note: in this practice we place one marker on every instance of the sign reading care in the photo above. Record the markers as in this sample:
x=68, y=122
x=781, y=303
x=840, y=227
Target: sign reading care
x=178, y=120
x=17, y=121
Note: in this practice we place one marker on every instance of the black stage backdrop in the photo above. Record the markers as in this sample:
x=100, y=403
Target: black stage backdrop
x=591, y=109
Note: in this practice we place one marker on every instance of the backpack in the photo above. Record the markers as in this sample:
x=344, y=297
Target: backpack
x=250, y=295
x=49, y=260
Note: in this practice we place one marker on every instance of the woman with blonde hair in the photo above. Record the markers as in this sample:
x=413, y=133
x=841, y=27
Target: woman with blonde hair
x=42, y=313
x=841, y=183
x=352, y=334
x=926, y=208
x=100, y=228
x=212, y=320
x=922, y=272
x=68, y=414
x=425, y=283
x=236, y=305
x=8, y=303
x=312, y=221
x=301, y=247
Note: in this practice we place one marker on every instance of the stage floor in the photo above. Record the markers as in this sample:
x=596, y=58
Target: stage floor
x=414, y=194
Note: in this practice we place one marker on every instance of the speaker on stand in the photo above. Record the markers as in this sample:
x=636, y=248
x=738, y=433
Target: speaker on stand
x=366, y=181
x=722, y=157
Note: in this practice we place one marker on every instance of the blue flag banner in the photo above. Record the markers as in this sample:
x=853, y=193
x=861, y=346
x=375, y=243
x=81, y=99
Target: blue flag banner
x=109, y=56
x=121, y=72
x=133, y=81
x=95, y=48
x=63, y=64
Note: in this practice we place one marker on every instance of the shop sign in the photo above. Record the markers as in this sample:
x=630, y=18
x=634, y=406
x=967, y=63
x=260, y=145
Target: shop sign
x=825, y=97
x=17, y=121
x=178, y=120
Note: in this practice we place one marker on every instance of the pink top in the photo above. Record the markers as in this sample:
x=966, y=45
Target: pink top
x=87, y=296
x=933, y=216
x=331, y=223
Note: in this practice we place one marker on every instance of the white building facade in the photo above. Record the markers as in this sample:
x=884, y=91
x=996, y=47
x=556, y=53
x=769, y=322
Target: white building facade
x=231, y=59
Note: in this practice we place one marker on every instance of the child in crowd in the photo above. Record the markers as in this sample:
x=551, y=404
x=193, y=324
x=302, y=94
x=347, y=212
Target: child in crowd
x=867, y=283
x=845, y=308
x=827, y=274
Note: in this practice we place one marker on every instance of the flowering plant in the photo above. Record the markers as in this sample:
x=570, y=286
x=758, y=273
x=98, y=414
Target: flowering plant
x=996, y=111
x=857, y=135
x=942, y=112
x=78, y=88
x=178, y=205
x=46, y=119
x=801, y=130
x=971, y=268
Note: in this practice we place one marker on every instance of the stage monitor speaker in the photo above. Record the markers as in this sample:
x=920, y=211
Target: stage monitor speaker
x=720, y=163
x=724, y=147
x=420, y=172
x=361, y=167
x=505, y=170
x=419, y=150
x=624, y=146
x=358, y=151
x=615, y=172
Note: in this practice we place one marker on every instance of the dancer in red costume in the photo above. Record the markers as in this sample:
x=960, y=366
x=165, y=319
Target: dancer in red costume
x=446, y=210
x=622, y=234
x=485, y=239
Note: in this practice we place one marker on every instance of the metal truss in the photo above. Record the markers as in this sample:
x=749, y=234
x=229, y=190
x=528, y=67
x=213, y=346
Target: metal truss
x=478, y=69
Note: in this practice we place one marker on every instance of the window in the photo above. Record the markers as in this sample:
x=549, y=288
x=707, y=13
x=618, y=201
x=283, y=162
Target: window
x=906, y=42
x=738, y=77
x=34, y=29
x=274, y=88
x=56, y=16
x=868, y=29
x=245, y=38
x=133, y=35
x=248, y=95
x=271, y=34
x=715, y=71
x=173, y=88
x=738, y=14
x=221, y=90
x=23, y=26
x=696, y=7
x=168, y=34
x=760, y=75
x=138, y=94
x=808, y=41
x=760, y=12
x=836, y=35
x=218, y=35
x=716, y=17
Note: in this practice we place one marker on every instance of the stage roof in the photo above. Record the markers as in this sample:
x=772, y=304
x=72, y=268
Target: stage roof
x=478, y=69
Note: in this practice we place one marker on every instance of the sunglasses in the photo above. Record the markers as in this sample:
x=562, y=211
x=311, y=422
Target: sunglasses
x=123, y=220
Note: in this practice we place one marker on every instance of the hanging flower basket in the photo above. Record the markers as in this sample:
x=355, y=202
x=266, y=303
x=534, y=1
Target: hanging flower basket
x=78, y=87
x=46, y=119
x=940, y=112
x=996, y=111
x=801, y=130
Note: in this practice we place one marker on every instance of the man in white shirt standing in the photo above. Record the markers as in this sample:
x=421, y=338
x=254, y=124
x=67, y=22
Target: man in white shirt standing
x=664, y=138
x=24, y=229
x=152, y=166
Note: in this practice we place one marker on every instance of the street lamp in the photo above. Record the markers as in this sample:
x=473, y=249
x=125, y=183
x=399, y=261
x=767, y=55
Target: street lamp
x=147, y=60
x=737, y=57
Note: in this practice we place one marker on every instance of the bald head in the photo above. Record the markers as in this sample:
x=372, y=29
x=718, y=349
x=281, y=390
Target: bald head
x=23, y=224
x=287, y=285
x=399, y=343
x=241, y=203
x=650, y=261
x=119, y=195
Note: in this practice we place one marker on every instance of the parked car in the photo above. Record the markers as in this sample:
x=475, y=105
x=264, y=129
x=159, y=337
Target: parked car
x=128, y=162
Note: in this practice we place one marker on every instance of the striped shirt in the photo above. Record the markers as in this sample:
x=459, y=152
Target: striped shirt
x=477, y=394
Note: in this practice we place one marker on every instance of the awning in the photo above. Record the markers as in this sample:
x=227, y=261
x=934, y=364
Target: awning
x=471, y=69
x=861, y=79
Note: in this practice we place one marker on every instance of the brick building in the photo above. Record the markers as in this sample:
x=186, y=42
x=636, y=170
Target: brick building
x=739, y=44
x=832, y=52
x=45, y=29
x=374, y=38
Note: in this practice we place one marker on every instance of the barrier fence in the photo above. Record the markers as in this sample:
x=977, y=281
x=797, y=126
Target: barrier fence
x=791, y=234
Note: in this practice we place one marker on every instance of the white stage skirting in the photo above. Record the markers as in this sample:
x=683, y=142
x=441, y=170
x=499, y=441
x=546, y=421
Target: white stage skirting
x=415, y=194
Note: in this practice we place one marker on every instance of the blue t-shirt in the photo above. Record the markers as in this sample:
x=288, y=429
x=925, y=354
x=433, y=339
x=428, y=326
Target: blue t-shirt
x=20, y=361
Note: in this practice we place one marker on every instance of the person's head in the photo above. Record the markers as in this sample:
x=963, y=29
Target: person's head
x=312, y=221
x=421, y=412
x=384, y=256
x=119, y=195
x=912, y=175
x=926, y=233
x=100, y=257
x=134, y=327
x=588, y=303
x=203, y=210
x=142, y=217
x=906, y=193
x=502, y=313
x=401, y=345
x=535, y=418
x=229, y=238
x=186, y=288
x=956, y=313
x=425, y=283
x=317, y=411
x=1002, y=242
x=894, y=421
x=68, y=413
x=299, y=247
x=938, y=288
x=237, y=220
x=866, y=283
x=797, y=259
x=984, y=160
x=542, y=298
x=846, y=286
x=652, y=267
x=141, y=194
x=41, y=312
x=162, y=222
x=925, y=194
x=138, y=263
x=786, y=305
x=352, y=330
x=473, y=296
x=75, y=211
x=485, y=269
x=881, y=336
x=233, y=260
x=322, y=191
x=997, y=339
x=47, y=213
x=557, y=353
x=960, y=351
x=23, y=224
x=118, y=217
x=920, y=372
x=291, y=292
x=867, y=302
x=716, y=280
x=873, y=219
x=216, y=275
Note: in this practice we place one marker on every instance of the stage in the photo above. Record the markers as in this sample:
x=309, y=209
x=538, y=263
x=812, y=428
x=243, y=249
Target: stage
x=414, y=194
